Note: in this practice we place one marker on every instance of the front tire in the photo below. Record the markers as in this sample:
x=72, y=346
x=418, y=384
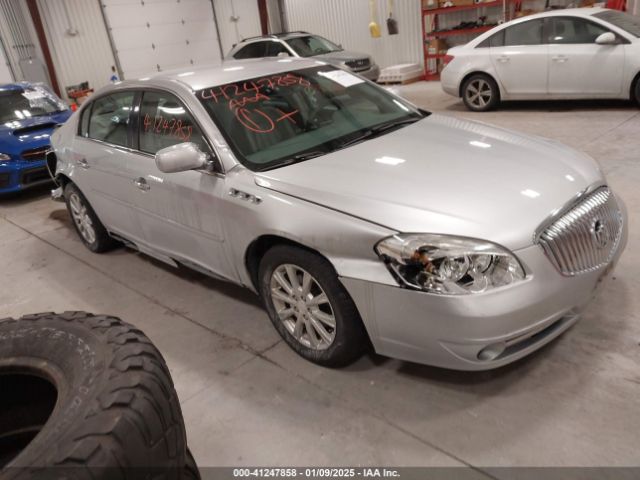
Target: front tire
x=480, y=93
x=310, y=308
x=89, y=227
x=636, y=91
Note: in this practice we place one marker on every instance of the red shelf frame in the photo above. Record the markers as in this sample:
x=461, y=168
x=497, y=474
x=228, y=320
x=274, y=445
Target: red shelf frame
x=426, y=36
x=458, y=31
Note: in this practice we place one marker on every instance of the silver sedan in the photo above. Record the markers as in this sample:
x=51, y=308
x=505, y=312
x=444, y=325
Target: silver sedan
x=360, y=220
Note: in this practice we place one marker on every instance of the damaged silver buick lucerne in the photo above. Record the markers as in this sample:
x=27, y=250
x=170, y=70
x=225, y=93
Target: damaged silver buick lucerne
x=359, y=219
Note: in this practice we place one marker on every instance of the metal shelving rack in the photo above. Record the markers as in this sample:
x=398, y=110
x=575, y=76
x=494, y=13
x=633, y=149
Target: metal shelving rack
x=426, y=36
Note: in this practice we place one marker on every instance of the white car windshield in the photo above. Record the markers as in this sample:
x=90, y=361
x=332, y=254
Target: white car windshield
x=290, y=117
x=626, y=22
x=312, y=45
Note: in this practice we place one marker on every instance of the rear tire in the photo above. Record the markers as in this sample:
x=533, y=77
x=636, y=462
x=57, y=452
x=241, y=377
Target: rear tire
x=636, y=91
x=480, y=93
x=103, y=400
x=320, y=322
x=89, y=227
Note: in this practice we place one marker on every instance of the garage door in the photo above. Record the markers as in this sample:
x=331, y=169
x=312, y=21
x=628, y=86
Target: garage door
x=159, y=35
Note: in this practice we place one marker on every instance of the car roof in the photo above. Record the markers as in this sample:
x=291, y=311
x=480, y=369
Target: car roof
x=230, y=71
x=275, y=36
x=574, y=12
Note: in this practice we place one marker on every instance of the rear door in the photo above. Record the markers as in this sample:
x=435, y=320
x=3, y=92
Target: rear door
x=519, y=55
x=578, y=66
x=100, y=153
x=179, y=212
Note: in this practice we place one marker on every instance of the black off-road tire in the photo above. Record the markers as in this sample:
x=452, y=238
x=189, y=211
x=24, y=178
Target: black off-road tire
x=351, y=339
x=116, y=413
x=103, y=241
x=477, y=80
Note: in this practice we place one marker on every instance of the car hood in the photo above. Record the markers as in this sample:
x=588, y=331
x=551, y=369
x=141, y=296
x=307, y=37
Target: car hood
x=19, y=135
x=445, y=175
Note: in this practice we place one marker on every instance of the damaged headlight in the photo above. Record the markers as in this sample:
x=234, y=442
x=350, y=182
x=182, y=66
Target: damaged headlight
x=449, y=265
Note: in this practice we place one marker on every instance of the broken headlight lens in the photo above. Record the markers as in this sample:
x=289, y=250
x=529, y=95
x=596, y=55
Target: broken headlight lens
x=449, y=265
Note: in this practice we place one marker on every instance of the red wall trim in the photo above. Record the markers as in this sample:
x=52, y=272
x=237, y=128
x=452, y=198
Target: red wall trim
x=37, y=22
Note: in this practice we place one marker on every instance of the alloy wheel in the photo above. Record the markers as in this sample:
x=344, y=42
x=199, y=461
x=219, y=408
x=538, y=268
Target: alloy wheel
x=81, y=218
x=303, y=307
x=479, y=93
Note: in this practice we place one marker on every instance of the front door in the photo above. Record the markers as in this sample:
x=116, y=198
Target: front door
x=578, y=66
x=178, y=211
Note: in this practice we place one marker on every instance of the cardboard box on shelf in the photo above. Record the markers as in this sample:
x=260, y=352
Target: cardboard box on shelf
x=525, y=12
x=437, y=46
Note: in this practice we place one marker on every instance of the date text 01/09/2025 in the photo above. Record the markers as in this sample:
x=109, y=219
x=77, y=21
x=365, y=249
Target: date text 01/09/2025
x=316, y=472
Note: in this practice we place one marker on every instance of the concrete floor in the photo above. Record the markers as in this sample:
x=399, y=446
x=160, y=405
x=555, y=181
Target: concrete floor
x=248, y=400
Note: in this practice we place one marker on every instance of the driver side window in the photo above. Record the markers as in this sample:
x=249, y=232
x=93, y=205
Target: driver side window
x=568, y=30
x=164, y=122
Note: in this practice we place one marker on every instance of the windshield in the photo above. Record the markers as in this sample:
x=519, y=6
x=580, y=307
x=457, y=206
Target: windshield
x=280, y=119
x=312, y=45
x=27, y=103
x=626, y=22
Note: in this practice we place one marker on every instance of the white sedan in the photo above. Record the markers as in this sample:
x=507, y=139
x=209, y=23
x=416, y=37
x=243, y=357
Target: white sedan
x=562, y=54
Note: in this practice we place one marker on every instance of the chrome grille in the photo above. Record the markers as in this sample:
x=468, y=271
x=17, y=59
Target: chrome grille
x=586, y=237
x=360, y=64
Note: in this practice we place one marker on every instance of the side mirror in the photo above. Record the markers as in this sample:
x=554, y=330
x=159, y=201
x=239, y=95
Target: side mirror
x=608, y=38
x=284, y=55
x=180, y=158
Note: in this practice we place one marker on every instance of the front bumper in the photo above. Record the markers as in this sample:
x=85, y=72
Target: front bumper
x=16, y=175
x=372, y=73
x=477, y=331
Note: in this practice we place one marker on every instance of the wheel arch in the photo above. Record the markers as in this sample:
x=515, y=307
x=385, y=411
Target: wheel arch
x=478, y=72
x=632, y=88
x=258, y=247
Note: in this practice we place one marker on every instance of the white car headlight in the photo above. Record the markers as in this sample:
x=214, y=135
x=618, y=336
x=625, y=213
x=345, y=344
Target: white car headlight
x=449, y=265
x=4, y=157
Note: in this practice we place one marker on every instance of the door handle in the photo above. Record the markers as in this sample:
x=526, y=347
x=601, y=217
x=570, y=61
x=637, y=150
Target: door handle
x=141, y=183
x=559, y=58
x=82, y=163
x=503, y=59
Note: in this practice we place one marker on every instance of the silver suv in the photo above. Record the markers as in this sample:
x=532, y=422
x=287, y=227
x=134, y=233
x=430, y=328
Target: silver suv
x=303, y=44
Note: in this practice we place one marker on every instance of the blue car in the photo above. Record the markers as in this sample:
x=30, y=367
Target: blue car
x=28, y=116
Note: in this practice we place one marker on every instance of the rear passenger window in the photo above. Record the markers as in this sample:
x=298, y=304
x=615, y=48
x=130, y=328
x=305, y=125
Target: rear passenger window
x=496, y=40
x=253, y=50
x=109, y=119
x=527, y=33
x=164, y=122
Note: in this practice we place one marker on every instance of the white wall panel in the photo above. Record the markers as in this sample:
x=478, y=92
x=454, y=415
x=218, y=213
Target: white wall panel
x=78, y=41
x=347, y=22
x=237, y=19
x=159, y=35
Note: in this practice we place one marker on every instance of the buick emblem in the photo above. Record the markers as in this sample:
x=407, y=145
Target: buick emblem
x=599, y=233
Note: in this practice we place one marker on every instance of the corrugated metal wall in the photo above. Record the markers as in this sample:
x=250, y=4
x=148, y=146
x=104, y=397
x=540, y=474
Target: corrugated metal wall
x=19, y=39
x=347, y=22
x=78, y=41
x=237, y=19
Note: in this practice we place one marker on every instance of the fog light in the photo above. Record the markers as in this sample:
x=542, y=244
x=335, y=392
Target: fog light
x=491, y=352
